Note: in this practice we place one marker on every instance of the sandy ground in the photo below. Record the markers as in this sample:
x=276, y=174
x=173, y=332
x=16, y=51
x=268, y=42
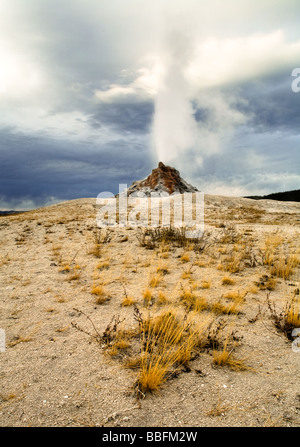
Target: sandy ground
x=52, y=374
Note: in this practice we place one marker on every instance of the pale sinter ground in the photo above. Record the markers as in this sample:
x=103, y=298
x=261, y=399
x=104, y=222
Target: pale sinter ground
x=55, y=375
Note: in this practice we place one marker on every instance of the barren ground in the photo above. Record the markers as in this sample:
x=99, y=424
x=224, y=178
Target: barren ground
x=52, y=374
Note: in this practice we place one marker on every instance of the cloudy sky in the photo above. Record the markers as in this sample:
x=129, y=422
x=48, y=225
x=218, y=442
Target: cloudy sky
x=93, y=93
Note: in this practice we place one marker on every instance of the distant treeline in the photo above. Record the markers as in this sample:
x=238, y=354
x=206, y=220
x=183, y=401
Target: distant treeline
x=8, y=213
x=287, y=196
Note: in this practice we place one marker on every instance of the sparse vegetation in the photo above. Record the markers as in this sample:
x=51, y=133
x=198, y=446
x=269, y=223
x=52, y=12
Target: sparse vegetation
x=162, y=269
x=97, y=240
x=150, y=238
x=181, y=304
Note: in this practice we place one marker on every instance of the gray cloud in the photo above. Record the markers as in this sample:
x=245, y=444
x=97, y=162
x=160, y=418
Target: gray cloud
x=128, y=117
x=272, y=104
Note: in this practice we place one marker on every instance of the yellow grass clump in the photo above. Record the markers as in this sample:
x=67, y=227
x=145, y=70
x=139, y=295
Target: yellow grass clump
x=168, y=341
x=192, y=301
x=148, y=296
x=127, y=301
x=227, y=281
x=100, y=293
x=185, y=257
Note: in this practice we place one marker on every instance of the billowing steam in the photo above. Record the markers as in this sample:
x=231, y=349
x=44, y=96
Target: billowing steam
x=191, y=119
x=174, y=126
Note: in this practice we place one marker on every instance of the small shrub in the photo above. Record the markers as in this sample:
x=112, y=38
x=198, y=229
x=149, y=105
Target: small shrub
x=236, y=296
x=98, y=239
x=288, y=318
x=150, y=238
x=108, y=337
x=186, y=274
x=233, y=263
x=103, y=265
x=225, y=356
x=65, y=268
x=75, y=273
x=284, y=266
x=127, y=300
x=229, y=235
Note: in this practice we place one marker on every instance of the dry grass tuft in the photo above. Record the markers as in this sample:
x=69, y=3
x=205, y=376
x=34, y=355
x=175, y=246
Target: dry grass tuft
x=205, y=284
x=100, y=293
x=232, y=308
x=168, y=341
x=155, y=280
x=148, y=296
x=226, y=358
x=127, y=301
x=227, y=281
x=185, y=257
x=162, y=269
x=162, y=298
x=193, y=302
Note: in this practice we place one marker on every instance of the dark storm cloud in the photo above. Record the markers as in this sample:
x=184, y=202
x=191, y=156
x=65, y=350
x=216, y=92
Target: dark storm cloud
x=37, y=169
